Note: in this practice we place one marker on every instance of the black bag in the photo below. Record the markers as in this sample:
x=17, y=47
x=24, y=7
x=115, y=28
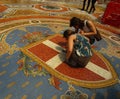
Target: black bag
x=97, y=36
x=92, y=39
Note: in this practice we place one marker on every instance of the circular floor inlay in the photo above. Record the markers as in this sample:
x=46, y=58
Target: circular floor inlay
x=51, y=8
x=115, y=38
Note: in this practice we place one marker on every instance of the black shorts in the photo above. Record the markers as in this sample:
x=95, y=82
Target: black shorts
x=78, y=61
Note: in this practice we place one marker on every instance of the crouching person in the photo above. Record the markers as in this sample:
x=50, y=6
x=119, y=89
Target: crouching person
x=78, y=49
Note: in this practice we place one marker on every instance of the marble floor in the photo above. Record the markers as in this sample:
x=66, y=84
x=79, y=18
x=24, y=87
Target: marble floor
x=24, y=22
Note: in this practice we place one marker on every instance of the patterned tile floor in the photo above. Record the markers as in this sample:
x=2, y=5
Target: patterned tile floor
x=23, y=24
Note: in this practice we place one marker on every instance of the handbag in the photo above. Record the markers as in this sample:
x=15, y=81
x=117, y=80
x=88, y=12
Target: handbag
x=97, y=36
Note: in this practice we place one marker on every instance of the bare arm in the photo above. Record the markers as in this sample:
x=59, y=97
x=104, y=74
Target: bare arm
x=92, y=28
x=70, y=46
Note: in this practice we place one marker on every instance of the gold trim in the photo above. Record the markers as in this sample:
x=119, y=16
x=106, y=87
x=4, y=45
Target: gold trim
x=87, y=84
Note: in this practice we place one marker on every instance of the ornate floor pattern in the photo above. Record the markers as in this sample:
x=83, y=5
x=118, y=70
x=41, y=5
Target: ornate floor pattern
x=23, y=77
x=49, y=53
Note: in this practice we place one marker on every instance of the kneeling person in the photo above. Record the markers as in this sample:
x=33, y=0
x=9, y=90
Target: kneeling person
x=78, y=49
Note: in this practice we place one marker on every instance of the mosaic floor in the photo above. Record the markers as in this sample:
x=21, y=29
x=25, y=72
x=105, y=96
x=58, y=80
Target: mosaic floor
x=23, y=77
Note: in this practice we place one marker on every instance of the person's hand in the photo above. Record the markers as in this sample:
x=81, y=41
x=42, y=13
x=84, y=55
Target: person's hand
x=82, y=32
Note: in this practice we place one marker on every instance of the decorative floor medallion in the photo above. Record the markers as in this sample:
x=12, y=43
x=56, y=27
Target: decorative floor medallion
x=98, y=73
x=51, y=8
x=22, y=23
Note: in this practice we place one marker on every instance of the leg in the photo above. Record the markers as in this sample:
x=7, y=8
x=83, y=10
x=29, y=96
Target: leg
x=88, y=4
x=92, y=6
x=83, y=5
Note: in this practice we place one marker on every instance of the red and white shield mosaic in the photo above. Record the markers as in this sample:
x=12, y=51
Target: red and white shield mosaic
x=48, y=52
